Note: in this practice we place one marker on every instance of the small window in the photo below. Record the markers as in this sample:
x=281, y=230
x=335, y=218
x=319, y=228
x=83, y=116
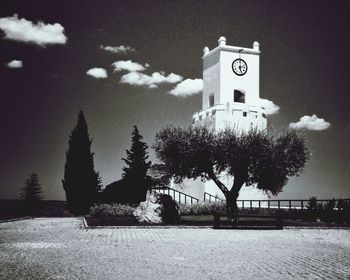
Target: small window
x=211, y=100
x=264, y=115
x=238, y=96
x=244, y=114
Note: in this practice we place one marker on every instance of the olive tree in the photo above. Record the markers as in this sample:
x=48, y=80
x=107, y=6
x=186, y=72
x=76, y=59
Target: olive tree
x=253, y=158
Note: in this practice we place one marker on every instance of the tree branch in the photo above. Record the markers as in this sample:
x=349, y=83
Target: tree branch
x=239, y=179
x=216, y=180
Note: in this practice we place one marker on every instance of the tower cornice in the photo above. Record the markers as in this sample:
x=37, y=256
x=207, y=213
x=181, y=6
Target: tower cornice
x=232, y=49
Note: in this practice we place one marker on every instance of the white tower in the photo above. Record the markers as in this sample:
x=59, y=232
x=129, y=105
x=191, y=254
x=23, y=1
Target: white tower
x=231, y=98
x=231, y=88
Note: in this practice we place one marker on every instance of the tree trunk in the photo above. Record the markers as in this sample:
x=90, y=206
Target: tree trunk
x=231, y=205
x=232, y=196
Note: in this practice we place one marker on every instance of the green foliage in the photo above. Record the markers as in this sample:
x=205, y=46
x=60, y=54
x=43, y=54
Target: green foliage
x=170, y=211
x=343, y=205
x=135, y=173
x=333, y=211
x=312, y=204
x=330, y=205
x=31, y=193
x=252, y=158
x=185, y=153
x=111, y=210
x=81, y=183
x=203, y=208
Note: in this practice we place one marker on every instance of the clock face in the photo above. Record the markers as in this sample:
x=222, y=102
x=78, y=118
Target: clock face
x=239, y=67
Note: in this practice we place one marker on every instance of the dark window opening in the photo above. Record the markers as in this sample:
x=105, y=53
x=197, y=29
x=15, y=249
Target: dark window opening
x=238, y=96
x=264, y=115
x=211, y=100
x=244, y=114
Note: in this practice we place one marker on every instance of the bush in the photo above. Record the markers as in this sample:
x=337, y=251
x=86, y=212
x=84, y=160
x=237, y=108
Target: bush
x=158, y=208
x=203, y=208
x=330, y=205
x=312, y=204
x=111, y=210
x=169, y=209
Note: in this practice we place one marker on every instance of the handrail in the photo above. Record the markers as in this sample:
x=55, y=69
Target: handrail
x=215, y=198
x=275, y=203
x=176, y=195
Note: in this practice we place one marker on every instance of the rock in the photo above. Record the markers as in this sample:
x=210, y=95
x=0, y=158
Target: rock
x=149, y=211
x=158, y=208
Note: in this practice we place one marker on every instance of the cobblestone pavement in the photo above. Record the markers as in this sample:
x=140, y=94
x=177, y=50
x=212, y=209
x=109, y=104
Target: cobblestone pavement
x=59, y=248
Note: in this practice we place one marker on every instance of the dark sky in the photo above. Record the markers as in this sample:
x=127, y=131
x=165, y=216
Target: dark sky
x=304, y=69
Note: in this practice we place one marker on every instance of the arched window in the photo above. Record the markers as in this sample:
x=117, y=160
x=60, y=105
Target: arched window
x=211, y=100
x=238, y=96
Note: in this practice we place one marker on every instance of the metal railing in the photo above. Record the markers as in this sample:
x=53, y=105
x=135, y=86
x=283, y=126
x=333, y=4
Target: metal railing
x=211, y=198
x=277, y=203
x=285, y=203
x=180, y=197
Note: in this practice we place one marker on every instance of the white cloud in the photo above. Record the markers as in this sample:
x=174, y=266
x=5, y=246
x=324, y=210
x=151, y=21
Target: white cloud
x=26, y=31
x=141, y=79
x=188, y=87
x=128, y=65
x=98, y=73
x=119, y=49
x=310, y=123
x=15, y=64
x=270, y=107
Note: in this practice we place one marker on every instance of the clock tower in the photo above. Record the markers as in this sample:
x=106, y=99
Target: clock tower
x=231, y=99
x=231, y=88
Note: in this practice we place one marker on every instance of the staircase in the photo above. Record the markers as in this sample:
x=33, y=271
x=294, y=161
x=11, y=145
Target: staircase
x=178, y=196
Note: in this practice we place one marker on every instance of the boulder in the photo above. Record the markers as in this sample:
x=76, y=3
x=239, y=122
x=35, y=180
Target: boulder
x=158, y=208
x=149, y=211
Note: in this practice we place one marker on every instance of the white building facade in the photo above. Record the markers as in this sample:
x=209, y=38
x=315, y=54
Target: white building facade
x=230, y=99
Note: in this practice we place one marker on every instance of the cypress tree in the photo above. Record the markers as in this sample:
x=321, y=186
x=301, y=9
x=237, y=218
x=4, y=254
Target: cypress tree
x=135, y=173
x=81, y=183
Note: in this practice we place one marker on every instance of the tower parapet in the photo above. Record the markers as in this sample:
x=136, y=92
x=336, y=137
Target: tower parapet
x=231, y=88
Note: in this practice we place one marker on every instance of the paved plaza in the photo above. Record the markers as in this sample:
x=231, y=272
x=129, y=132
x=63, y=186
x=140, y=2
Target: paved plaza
x=60, y=248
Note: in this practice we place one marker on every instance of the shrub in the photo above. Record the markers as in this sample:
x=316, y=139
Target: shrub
x=340, y=204
x=312, y=204
x=111, y=210
x=203, y=208
x=330, y=205
x=169, y=209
